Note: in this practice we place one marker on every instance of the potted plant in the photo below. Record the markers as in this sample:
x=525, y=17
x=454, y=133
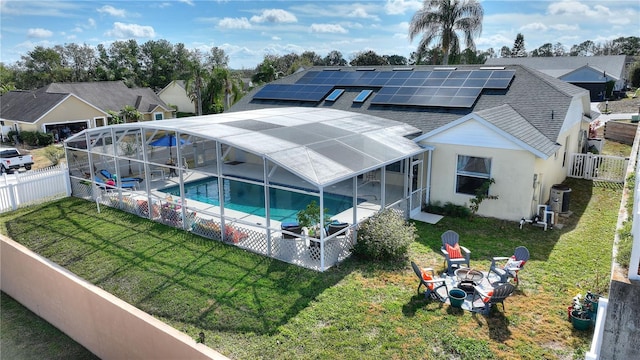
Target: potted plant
x=582, y=311
x=309, y=218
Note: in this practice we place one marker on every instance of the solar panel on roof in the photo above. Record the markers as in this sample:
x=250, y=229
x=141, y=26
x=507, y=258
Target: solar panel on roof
x=364, y=94
x=444, y=87
x=299, y=92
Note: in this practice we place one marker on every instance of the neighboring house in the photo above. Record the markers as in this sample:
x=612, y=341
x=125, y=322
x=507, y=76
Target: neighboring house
x=176, y=94
x=512, y=124
x=588, y=72
x=66, y=108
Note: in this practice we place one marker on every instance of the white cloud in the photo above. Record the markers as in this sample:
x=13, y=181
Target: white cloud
x=399, y=7
x=274, y=16
x=188, y=2
x=108, y=9
x=572, y=7
x=234, y=23
x=537, y=26
x=121, y=30
x=276, y=38
x=327, y=28
x=39, y=33
x=360, y=12
x=564, y=27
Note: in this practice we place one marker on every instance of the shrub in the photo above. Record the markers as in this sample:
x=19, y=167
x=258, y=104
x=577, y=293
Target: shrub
x=448, y=209
x=54, y=154
x=385, y=236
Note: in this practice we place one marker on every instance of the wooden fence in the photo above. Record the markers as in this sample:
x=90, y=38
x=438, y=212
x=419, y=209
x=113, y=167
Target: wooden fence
x=619, y=131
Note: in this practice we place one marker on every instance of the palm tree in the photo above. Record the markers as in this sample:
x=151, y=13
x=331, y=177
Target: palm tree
x=130, y=113
x=441, y=20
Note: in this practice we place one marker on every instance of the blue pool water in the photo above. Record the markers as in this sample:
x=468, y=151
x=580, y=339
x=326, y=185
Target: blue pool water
x=249, y=198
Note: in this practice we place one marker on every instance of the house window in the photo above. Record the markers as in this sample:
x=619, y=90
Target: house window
x=158, y=116
x=471, y=173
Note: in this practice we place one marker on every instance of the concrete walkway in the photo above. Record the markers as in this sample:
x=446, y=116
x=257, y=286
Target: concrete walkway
x=603, y=118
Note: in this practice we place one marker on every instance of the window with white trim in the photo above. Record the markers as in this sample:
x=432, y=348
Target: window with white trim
x=471, y=173
x=158, y=116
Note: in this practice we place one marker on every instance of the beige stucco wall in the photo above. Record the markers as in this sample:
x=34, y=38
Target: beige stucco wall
x=174, y=94
x=107, y=326
x=511, y=169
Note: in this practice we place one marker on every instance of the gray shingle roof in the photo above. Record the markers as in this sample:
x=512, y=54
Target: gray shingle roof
x=28, y=106
x=558, y=66
x=111, y=95
x=541, y=100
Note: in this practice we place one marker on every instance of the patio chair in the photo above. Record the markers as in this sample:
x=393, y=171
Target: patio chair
x=431, y=284
x=105, y=186
x=454, y=254
x=497, y=295
x=108, y=175
x=336, y=227
x=508, y=267
x=291, y=231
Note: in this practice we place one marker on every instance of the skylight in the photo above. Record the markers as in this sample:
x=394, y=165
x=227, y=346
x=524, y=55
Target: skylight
x=335, y=94
x=364, y=94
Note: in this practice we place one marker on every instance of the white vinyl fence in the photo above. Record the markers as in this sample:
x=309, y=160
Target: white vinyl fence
x=32, y=187
x=598, y=167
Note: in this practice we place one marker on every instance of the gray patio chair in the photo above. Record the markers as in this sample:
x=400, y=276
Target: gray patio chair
x=451, y=238
x=508, y=267
x=497, y=295
x=431, y=284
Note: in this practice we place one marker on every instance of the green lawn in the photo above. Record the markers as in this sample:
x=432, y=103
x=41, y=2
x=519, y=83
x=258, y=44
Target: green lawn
x=249, y=306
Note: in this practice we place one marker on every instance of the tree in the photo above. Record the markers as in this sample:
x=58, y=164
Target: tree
x=367, y=58
x=545, y=50
x=130, y=114
x=586, y=48
x=440, y=21
x=559, y=50
x=158, y=60
x=518, y=49
x=42, y=66
x=334, y=58
x=396, y=60
x=505, y=52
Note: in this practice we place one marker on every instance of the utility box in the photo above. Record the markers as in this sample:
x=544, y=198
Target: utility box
x=559, y=198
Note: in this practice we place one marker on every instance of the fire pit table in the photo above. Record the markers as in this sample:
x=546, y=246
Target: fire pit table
x=468, y=278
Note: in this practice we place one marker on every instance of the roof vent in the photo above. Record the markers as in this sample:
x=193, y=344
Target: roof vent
x=445, y=68
x=403, y=69
x=492, y=68
x=366, y=69
x=332, y=69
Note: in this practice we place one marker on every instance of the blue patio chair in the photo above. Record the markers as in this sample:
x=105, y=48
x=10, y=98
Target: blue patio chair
x=124, y=185
x=108, y=175
x=429, y=281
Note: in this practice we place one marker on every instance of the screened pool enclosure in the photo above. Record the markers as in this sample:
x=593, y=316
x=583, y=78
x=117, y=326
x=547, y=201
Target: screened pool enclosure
x=243, y=177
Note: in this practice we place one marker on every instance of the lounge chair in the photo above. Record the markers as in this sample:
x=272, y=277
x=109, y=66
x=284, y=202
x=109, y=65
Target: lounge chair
x=108, y=175
x=124, y=185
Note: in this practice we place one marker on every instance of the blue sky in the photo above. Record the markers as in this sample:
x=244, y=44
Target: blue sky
x=247, y=30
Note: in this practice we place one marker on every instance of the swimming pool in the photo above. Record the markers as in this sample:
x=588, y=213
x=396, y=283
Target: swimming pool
x=249, y=198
